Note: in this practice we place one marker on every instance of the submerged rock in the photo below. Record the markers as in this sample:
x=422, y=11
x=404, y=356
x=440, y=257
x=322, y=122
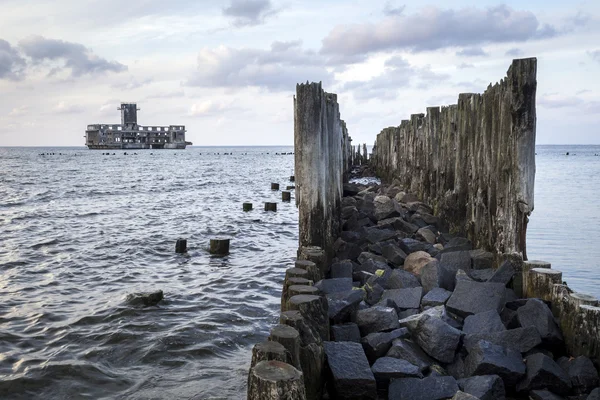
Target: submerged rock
x=145, y=299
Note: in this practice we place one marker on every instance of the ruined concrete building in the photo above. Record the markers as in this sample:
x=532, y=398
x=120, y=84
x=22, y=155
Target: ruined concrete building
x=130, y=135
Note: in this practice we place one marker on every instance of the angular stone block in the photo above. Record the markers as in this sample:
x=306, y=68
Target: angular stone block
x=486, y=358
x=377, y=319
x=430, y=388
x=351, y=375
x=471, y=297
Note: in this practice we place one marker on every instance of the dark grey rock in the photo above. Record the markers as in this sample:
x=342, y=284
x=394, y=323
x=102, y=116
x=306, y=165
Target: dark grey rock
x=377, y=319
x=537, y=314
x=394, y=254
x=509, y=318
x=461, y=275
x=347, y=332
x=484, y=322
x=484, y=387
x=427, y=235
x=457, y=244
x=464, y=396
x=384, y=208
x=449, y=265
x=351, y=189
x=594, y=395
x=504, y=274
x=373, y=293
x=343, y=305
x=377, y=344
x=404, y=298
x=544, y=373
x=481, y=275
x=388, y=368
x=471, y=297
x=351, y=236
x=334, y=285
x=411, y=352
x=347, y=250
x=437, y=338
x=365, y=255
x=481, y=259
x=436, y=297
x=404, y=226
x=411, y=245
x=371, y=266
x=582, y=374
x=516, y=304
x=519, y=339
x=375, y=234
x=430, y=388
x=349, y=211
x=486, y=358
x=351, y=375
x=408, y=313
x=342, y=269
x=544, y=395
x=430, y=277
x=400, y=279
x=510, y=295
x=348, y=200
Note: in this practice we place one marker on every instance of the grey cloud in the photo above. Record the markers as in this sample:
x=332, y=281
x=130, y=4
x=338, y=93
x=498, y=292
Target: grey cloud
x=595, y=55
x=389, y=9
x=249, y=12
x=433, y=28
x=11, y=62
x=132, y=83
x=76, y=57
x=279, y=68
x=472, y=52
x=465, y=66
x=584, y=106
x=514, y=52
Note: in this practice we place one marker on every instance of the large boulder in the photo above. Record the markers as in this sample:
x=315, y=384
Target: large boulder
x=484, y=322
x=334, y=285
x=404, y=298
x=594, y=395
x=401, y=279
x=486, y=358
x=411, y=245
x=430, y=276
x=343, y=305
x=351, y=375
x=377, y=344
x=393, y=254
x=504, y=274
x=427, y=235
x=472, y=297
x=430, y=388
x=377, y=319
x=484, y=387
x=408, y=350
x=464, y=396
x=537, y=314
x=436, y=297
x=582, y=373
x=342, y=269
x=519, y=339
x=481, y=259
x=387, y=368
x=416, y=261
x=347, y=332
x=544, y=373
x=376, y=235
x=384, y=208
x=436, y=338
x=450, y=264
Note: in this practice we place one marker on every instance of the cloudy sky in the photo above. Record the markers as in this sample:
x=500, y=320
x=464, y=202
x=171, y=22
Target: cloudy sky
x=228, y=69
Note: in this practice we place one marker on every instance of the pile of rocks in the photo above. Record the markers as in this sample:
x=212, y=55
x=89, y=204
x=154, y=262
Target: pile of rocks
x=408, y=311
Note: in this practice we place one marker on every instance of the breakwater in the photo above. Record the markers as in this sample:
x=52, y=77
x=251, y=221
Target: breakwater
x=405, y=300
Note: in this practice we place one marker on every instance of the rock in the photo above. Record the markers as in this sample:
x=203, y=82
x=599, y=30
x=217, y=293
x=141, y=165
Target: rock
x=481, y=259
x=436, y=297
x=486, y=358
x=351, y=189
x=406, y=198
x=370, y=266
x=342, y=269
x=430, y=388
x=351, y=375
x=430, y=277
x=384, y=208
x=450, y=264
x=510, y=295
x=400, y=279
x=583, y=375
x=408, y=313
x=342, y=306
x=334, y=285
x=471, y=297
x=394, y=254
x=411, y=352
x=537, y=314
x=544, y=373
x=437, y=338
x=481, y=275
x=377, y=319
x=401, y=225
x=377, y=344
x=484, y=387
x=519, y=339
x=365, y=255
x=544, y=395
x=348, y=251
x=462, y=276
x=404, y=298
x=416, y=261
x=349, y=211
x=411, y=246
x=347, y=332
x=457, y=244
x=484, y=322
x=504, y=274
x=388, y=368
x=145, y=299
x=373, y=293
x=464, y=396
x=348, y=201
x=375, y=234
x=427, y=235
x=594, y=395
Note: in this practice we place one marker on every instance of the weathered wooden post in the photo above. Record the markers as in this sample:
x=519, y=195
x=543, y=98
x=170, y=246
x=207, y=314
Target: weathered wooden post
x=292, y=178
x=274, y=186
x=267, y=351
x=286, y=196
x=181, y=246
x=270, y=206
x=219, y=246
x=247, y=206
x=289, y=338
x=290, y=187
x=540, y=282
x=275, y=380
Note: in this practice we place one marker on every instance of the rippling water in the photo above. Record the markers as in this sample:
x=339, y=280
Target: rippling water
x=564, y=228
x=80, y=231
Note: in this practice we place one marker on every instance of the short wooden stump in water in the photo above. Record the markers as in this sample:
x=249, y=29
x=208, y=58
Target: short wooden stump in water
x=181, y=246
x=270, y=206
x=286, y=196
x=275, y=380
x=247, y=206
x=219, y=247
x=274, y=186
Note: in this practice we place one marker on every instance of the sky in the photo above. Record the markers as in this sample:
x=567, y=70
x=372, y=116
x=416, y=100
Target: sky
x=227, y=70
